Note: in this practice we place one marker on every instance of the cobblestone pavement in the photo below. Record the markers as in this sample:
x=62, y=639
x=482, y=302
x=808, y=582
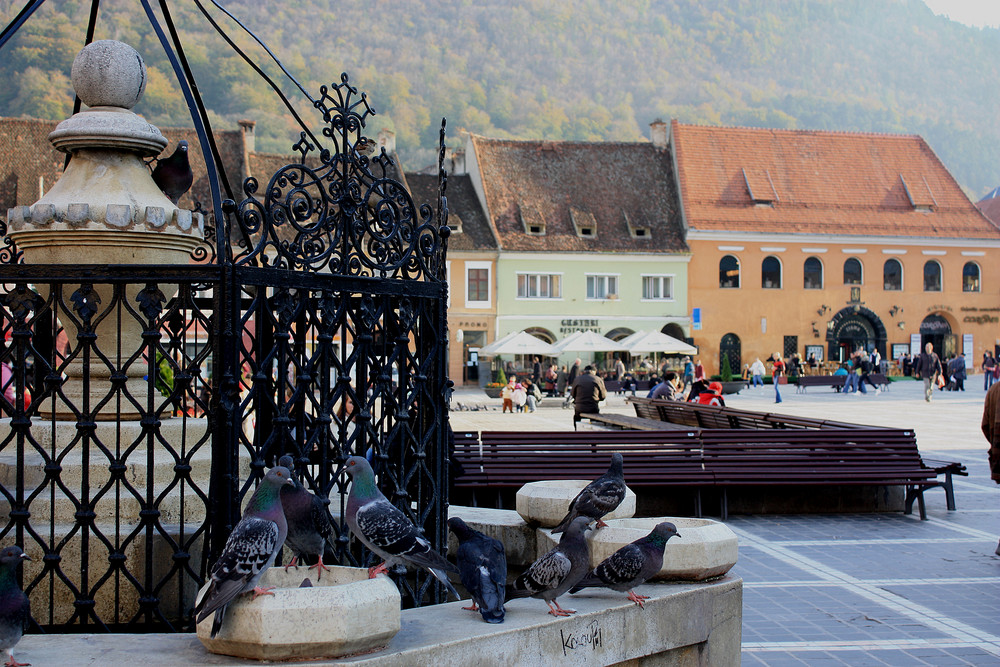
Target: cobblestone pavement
x=855, y=589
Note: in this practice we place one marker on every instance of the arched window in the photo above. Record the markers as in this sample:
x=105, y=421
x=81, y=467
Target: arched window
x=932, y=276
x=892, y=275
x=729, y=272
x=812, y=274
x=770, y=273
x=970, y=277
x=852, y=272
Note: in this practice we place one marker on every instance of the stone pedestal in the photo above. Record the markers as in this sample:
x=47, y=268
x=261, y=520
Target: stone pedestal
x=342, y=613
x=546, y=503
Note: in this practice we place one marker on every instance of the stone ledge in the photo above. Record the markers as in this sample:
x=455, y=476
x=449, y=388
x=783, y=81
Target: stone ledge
x=682, y=624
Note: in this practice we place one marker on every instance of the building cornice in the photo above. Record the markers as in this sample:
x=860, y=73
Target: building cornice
x=592, y=256
x=847, y=240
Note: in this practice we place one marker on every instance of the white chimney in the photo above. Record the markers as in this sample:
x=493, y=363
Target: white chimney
x=458, y=162
x=249, y=138
x=387, y=140
x=658, y=133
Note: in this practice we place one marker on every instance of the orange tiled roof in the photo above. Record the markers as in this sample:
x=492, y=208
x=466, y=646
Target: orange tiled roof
x=819, y=183
x=621, y=185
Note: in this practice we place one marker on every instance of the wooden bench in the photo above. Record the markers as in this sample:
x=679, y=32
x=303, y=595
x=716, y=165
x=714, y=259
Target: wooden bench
x=948, y=469
x=802, y=457
x=806, y=381
x=506, y=460
x=714, y=416
x=635, y=423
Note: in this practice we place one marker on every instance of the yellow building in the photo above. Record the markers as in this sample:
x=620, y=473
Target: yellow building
x=825, y=242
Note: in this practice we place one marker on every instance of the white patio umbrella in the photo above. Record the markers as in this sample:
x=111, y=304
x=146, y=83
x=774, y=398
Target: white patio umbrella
x=587, y=341
x=518, y=343
x=656, y=341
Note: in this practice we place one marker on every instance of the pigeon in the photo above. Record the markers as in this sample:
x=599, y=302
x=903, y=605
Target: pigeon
x=249, y=551
x=309, y=527
x=598, y=498
x=173, y=174
x=15, y=609
x=384, y=529
x=482, y=567
x=631, y=565
x=557, y=571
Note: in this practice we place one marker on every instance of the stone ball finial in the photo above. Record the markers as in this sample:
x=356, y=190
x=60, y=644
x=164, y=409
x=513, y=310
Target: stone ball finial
x=109, y=73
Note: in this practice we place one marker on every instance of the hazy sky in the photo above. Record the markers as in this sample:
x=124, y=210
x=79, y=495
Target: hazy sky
x=978, y=13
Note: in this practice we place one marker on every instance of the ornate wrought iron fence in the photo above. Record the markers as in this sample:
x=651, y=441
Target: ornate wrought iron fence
x=124, y=489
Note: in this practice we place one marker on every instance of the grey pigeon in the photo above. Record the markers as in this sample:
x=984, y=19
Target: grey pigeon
x=557, y=571
x=309, y=527
x=631, y=565
x=15, y=609
x=173, y=174
x=600, y=497
x=482, y=567
x=384, y=529
x=249, y=551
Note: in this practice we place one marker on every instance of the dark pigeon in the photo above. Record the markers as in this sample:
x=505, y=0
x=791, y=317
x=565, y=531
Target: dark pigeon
x=600, y=497
x=482, y=567
x=15, y=609
x=632, y=565
x=384, y=529
x=173, y=174
x=557, y=571
x=249, y=551
x=309, y=527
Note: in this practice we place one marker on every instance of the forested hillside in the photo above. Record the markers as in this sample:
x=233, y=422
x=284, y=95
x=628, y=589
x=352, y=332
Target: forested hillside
x=573, y=69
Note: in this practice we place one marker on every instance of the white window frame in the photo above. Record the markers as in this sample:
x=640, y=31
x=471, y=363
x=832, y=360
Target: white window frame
x=530, y=274
x=661, y=277
x=470, y=266
x=606, y=278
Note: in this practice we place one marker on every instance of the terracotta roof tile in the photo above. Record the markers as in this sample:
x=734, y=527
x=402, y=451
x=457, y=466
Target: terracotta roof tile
x=537, y=183
x=824, y=183
x=462, y=201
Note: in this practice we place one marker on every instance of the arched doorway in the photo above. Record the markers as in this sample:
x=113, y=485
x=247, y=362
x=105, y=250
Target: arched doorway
x=673, y=329
x=936, y=330
x=853, y=328
x=731, y=348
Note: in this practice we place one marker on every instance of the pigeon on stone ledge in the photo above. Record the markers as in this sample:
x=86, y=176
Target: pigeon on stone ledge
x=384, y=529
x=482, y=567
x=557, y=571
x=309, y=528
x=15, y=609
x=600, y=497
x=173, y=174
x=249, y=551
x=632, y=565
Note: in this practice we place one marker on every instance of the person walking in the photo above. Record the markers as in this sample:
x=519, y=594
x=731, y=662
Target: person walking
x=989, y=370
x=928, y=368
x=587, y=392
x=757, y=373
x=991, y=429
x=688, y=372
x=958, y=373
x=777, y=372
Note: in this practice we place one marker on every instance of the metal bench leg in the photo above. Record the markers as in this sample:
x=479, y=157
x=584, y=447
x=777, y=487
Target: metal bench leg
x=920, y=502
x=911, y=495
x=949, y=492
x=725, y=504
x=697, y=503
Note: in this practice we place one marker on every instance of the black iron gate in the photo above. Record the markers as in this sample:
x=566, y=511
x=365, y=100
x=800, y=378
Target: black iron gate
x=324, y=288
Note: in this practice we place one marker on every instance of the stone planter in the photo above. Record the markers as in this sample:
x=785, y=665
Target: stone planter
x=546, y=503
x=704, y=549
x=493, y=392
x=343, y=613
x=733, y=387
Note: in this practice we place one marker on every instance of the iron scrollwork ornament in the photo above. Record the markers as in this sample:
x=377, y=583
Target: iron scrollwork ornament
x=341, y=211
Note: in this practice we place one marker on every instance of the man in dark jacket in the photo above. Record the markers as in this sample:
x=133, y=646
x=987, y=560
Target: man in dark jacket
x=588, y=390
x=991, y=429
x=928, y=369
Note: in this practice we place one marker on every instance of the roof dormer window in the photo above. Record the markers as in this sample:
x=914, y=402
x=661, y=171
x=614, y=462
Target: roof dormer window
x=584, y=223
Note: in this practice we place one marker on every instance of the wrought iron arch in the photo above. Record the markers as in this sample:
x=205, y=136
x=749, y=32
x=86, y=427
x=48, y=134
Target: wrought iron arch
x=731, y=347
x=838, y=320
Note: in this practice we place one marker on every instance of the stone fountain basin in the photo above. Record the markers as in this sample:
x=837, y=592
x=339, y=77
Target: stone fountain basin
x=704, y=549
x=343, y=613
x=546, y=503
